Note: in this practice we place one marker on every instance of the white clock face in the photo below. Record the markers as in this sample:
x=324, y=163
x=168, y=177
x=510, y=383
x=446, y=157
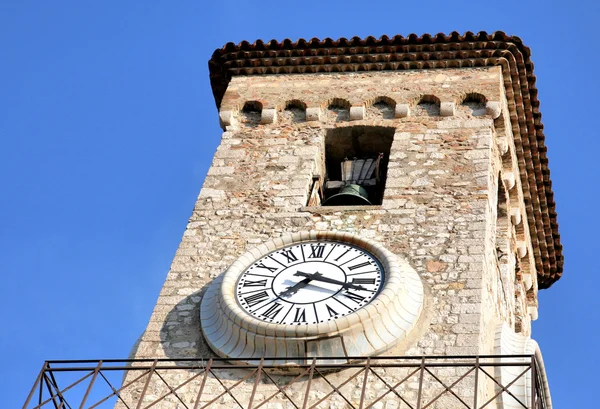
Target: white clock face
x=309, y=283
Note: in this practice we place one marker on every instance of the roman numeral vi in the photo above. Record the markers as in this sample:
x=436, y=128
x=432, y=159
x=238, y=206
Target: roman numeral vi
x=300, y=315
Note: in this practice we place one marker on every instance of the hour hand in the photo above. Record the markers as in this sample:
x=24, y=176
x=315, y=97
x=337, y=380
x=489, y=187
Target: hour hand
x=294, y=288
x=319, y=277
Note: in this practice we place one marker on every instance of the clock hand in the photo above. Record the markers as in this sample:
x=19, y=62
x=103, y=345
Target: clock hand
x=294, y=288
x=319, y=277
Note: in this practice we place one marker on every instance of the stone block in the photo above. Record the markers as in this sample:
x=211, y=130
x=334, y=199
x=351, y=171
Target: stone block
x=502, y=144
x=533, y=312
x=493, y=108
x=509, y=180
x=313, y=114
x=226, y=119
x=515, y=216
x=357, y=113
x=268, y=116
x=447, y=108
x=401, y=111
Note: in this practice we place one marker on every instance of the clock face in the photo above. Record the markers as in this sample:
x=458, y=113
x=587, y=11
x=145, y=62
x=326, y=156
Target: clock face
x=309, y=283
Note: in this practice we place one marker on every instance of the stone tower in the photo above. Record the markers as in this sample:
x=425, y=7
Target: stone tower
x=441, y=139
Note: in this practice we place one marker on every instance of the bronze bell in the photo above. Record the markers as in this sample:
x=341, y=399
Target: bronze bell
x=350, y=195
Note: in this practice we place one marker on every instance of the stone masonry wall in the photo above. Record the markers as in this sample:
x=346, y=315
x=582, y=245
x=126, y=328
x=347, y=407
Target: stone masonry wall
x=439, y=211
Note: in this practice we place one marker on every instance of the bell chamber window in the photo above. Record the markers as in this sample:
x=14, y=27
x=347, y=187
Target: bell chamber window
x=356, y=162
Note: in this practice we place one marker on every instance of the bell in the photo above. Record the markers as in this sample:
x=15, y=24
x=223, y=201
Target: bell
x=350, y=195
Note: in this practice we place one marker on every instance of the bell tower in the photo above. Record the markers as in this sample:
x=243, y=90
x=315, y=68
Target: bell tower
x=371, y=201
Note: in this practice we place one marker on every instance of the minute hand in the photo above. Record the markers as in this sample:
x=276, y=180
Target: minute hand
x=318, y=277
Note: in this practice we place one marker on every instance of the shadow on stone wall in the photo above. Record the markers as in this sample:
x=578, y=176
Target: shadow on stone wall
x=180, y=334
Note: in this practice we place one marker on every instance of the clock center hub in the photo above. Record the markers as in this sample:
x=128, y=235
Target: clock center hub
x=309, y=283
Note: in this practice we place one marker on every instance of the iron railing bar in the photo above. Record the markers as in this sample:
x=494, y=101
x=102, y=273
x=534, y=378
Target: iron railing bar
x=543, y=395
x=505, y=389
x=533, y=375
x=279, y=358
x=116, y=391
x=206, y=369
x=146, y=384
x=35, y=386
x=256, y=381
x=393, y=389
x=448, y=388
x=352, y=361
x=420, y=392
x=364, y=386
x=60, y=393
x=281, y=390
x=41, y=393
x=52, y=395
x=308, y=383
x=228, y=390
x=336, y=390
x=89, y=388
x=302, y=366
x=476, y=383
x=171, y=392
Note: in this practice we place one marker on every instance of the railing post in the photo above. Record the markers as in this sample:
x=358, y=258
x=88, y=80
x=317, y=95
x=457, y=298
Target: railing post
x=34, y=387
x=421, y=382
x=476, y=382
x=364, y=387
x=533, y=382
x=256, y=381
x=206, y=371
x=150, y=373
x=310, y=377
x=53, y=395
x=91, y=385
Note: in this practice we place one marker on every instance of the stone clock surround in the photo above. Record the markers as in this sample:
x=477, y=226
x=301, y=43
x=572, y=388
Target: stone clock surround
x=372, y=329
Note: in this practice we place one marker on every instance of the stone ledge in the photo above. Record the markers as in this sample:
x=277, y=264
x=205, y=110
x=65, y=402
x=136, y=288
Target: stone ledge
x=333, y=209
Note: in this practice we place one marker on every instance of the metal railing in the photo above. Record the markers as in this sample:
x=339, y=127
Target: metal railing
x=472, y=382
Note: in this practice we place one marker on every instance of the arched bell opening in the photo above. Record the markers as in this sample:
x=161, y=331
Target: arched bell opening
x=356, y=161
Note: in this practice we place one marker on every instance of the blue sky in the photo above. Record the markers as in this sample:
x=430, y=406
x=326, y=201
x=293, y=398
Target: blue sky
x=108, y=126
